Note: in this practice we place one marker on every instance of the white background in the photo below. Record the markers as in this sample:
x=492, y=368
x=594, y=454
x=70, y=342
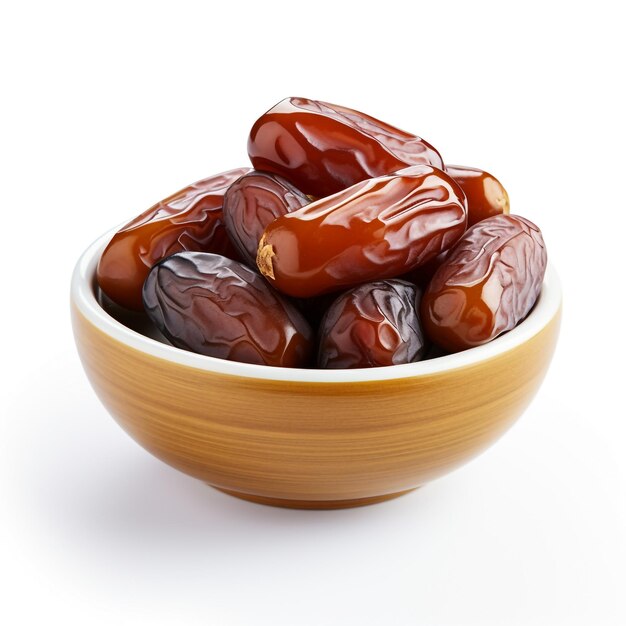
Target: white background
x=106, y=109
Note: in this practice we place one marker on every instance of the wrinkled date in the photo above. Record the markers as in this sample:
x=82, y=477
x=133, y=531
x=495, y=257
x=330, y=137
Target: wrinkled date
x=372, y=325
x=253, y=202
x=212, y=305
x=489, y=282
x=376, y=229
x=485, y=194
x=323, y=148
x=188, y=220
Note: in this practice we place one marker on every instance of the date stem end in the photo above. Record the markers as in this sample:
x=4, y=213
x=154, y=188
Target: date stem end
x=264, y=258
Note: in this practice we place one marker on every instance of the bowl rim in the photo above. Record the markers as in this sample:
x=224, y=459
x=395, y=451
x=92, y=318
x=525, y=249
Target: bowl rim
x=83, y=296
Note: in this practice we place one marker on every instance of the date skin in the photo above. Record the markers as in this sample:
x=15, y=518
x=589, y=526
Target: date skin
x=487, y=285
x=373, y=325
x=379, y=228
x=215, y=306
x=190, y=219
x=252, y=203
x=323, y=148
x=484, y=192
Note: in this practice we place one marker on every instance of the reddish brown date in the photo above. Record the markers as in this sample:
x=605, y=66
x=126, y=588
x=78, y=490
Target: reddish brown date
x=379, y=228
x=191, y=219
x=253, y=202
x=485, y=194
x=215, y=306
x=323, y=148
x=487, y=285
x=372, y=325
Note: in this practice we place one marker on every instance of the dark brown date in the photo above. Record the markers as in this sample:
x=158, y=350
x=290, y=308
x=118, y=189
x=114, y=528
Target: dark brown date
x=212, y=305
x=379, y=228
x=252, y=203
x=372, y=325
x=191, y=219
x=487, y=285
x=485, y=194
x=323, y=148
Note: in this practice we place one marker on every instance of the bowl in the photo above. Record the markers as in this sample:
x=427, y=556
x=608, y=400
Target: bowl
x=308, y=438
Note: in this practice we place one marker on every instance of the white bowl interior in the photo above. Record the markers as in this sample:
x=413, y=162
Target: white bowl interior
x=83, y=294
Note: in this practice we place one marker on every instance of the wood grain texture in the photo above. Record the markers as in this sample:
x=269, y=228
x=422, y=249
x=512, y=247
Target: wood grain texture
x=314, y=445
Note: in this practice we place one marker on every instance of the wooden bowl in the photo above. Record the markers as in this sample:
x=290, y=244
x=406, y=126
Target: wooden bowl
x=309, y=438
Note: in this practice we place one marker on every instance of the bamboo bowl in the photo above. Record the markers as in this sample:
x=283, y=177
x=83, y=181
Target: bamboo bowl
x=309, y=438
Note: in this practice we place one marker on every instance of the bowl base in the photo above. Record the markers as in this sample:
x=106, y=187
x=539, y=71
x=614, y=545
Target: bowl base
x=312, y=504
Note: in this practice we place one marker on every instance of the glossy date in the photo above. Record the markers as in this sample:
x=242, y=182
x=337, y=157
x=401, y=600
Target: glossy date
x=376, y=229
x=190, y=219
x=484, y=192
x=487, y=285
x=323, y=148
x=252, y=203
x=372, y=325
x=215, y=306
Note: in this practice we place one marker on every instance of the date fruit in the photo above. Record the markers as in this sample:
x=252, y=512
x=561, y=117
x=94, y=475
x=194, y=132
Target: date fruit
x=485, y=194
x=215, y=306
x=253, y=202
x=323, y=148
x=487, y=285
x=372, y=325
x=191, y=219
x=379, y=228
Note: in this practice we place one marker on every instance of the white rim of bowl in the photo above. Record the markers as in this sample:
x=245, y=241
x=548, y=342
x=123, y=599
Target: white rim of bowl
x=83, y=296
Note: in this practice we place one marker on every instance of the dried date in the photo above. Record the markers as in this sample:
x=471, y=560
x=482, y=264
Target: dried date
x=190, y=219
x=253, y=202
x=487, y=285
x=323, y=148
x=372, y=325
x=376, y=229
x=484, y=192
x=215, y=306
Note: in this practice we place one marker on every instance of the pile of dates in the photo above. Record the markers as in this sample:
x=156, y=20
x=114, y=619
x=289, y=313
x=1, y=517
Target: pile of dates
x=350, y=244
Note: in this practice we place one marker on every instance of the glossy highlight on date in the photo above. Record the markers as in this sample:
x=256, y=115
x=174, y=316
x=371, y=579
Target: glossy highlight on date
x=348, y=244
x=373, y=325
x=215, y=306
x=191, y=219
x=323, y=148
x=379, y=228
